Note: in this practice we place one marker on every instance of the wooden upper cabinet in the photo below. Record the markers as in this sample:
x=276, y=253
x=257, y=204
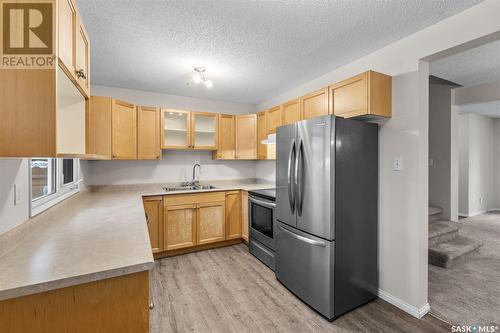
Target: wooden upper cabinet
x=315, y=104
x=261, y=135
x=204, y=129
x=274, y=119
x=124, y=131
x=99, y=127
x=227, y=136
x=66, y=34
x=211, y=226
x=82, y=57
x=153, y=208
x=148, y=133
x=233, y=215
x=179, y=226
x=246, y=137
x=366, y=94
x=291, y=111
x=176, y=129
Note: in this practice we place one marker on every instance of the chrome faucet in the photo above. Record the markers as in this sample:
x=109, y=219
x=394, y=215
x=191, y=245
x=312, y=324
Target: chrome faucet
x=194, y=181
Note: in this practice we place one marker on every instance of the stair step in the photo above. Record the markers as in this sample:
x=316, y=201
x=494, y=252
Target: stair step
x=441, y=231
x=433, y=210
x=447, y=253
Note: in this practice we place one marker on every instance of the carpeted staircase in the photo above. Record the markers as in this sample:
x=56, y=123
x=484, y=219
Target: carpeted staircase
x=446, y=246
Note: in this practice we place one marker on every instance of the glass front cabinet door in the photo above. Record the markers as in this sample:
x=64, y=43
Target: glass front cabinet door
x=176, y=128
x=204, y=130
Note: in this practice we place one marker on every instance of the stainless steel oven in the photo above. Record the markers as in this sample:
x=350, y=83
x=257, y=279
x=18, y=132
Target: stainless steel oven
x=261, y=207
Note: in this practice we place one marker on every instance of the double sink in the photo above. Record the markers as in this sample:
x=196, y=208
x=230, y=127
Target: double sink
x=189, y=187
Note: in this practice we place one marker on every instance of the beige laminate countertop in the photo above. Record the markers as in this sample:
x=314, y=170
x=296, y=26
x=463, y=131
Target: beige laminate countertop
x=95, y=235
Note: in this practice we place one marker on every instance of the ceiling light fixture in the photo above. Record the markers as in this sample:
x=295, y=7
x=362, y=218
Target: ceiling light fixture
x=199, y=76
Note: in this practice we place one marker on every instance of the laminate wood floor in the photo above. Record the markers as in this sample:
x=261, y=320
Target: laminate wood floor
x=229, y=290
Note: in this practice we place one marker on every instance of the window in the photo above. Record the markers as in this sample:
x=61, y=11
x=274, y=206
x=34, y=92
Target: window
x=52, y=180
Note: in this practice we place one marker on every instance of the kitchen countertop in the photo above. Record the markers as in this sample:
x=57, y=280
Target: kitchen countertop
x=96, y=234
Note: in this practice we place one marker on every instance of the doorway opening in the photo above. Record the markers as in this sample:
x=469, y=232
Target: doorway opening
x=464, y=186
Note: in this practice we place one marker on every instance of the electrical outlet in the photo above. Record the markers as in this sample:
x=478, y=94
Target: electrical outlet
x=17, y=194
x=397, y=164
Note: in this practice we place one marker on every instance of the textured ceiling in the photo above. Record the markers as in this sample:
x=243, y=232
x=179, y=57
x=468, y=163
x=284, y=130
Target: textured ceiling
x=252, y=50
x=472, y=67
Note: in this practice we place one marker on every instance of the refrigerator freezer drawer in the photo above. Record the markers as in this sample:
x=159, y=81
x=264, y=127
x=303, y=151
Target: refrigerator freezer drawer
x=304, y=264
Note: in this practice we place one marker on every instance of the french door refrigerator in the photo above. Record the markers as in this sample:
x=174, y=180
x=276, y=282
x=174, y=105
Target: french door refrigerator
x=326, y=212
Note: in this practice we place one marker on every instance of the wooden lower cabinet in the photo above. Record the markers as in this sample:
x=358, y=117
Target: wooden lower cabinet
x=233, y=215
x=193, y=222
x=244, y=215
x=153, y=208
x=118, y=304
x=210, y=222
x=179, y=226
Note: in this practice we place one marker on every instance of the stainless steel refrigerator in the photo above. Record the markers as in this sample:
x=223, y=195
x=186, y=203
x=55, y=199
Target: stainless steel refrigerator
x=326, y=212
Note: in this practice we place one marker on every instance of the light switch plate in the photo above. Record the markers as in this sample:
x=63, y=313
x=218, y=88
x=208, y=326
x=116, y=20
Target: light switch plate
x=397, y=164
x=17, y=194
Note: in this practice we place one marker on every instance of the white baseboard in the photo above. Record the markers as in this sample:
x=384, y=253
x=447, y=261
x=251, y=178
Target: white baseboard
x=408, y=308
x=477, y=213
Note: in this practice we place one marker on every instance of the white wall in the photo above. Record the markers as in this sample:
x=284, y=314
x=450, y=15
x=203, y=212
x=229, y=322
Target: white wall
x=266, y=170
x=176, y=166
x=463, y=164
x=403, y=195
x=13, y=171
x=496, y=162
x=481, y=163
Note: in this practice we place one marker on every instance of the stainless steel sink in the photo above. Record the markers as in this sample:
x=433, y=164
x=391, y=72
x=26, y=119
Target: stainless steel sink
x=193, y=187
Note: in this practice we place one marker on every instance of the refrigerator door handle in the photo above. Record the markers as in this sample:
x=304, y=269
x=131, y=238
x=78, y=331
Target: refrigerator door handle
x=291, y=192
x=302, y=238
x=299, y=176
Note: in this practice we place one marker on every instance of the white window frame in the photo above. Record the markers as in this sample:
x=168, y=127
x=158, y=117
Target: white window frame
x=62, y=191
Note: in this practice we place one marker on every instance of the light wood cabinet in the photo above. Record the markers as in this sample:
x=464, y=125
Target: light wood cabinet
x=183, y=129
x=246, y=137
x=82, y=56
x=176, y=129
x=291, y=111
x=116, y=304
x=244, y=215
x=148, y=133
x=273, y=119
x=315, y=104
x=227, y=136
x=43, y=111
x=66, y=38
x=193, y=219
x=99, y=127
x=261, y=135
x=179, y=226
x=233, y=215
x=123, y=131
x=366, y=94
x=210, y=222
x=204, y=127
x=153, y=208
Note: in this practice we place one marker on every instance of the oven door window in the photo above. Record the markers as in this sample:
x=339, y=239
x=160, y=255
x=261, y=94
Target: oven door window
x=262, y=219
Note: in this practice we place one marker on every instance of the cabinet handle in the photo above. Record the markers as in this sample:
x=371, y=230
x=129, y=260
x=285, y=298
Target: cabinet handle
x=151, y=305
x=147, y=218
x=81, y=74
